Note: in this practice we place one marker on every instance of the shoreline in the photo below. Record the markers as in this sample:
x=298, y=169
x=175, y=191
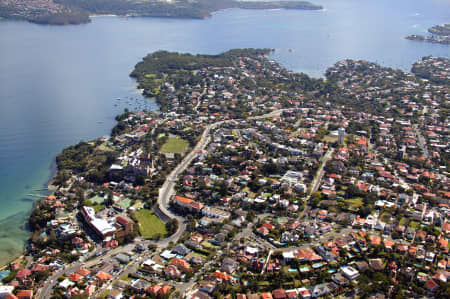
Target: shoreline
x=13, y=261
x=48, y=183
x=51, y=188
x=53, y=172
x=191, y=12
x=103, y=15
x=18, y=254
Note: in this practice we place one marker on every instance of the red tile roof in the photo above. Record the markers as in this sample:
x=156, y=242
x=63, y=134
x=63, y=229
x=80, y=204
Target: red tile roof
x=165, y=289
x=184, y=200
x=103, y=276
x=279, y=294
x=182, y=263
x=266, y=296
x=25, y=294
x=75, y=277
x=24, y=273
x=83, y=272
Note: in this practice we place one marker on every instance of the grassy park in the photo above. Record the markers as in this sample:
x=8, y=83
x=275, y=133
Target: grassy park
x=175, y=145
x=149, y=224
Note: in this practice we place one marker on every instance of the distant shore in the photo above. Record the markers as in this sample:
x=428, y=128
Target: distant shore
x=440, y=35
x=80, y=12
x=443, y=40
x=103, y=15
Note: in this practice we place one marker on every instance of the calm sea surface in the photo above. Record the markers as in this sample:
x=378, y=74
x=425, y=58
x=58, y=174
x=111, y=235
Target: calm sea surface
x=60, y=85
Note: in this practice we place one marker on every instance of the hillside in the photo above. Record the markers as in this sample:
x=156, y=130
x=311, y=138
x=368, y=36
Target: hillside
x=78, y=11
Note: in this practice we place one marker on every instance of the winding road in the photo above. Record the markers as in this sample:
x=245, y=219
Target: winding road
x=162, y=210
x=168, y=188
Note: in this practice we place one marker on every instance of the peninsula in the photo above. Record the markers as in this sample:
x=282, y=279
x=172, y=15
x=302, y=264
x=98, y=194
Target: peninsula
x=440, y=35
x=253, y=182
x=77, y=11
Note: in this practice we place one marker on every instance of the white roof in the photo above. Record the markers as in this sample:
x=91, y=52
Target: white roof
x=379, y=203
x=102, y=226
x=116, y=167
x=289, y=254
x=66, y=283
x=167, y=254
x=89, y=211
x=6, y=290
x=157, y=267
x=350, y=271
x=149, y=262
x=251, y=250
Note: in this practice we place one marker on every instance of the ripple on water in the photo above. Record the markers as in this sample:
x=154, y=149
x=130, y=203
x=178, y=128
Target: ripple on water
x=12, y=236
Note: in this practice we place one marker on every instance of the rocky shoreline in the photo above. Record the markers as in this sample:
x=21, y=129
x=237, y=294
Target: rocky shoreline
x=440, y=35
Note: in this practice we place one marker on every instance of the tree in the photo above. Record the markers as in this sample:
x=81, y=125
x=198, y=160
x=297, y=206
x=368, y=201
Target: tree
x=171, y=226
x=109, y=201
x=140, y=180
x=250, y=216
x=42, y=275
x=270, y=168
x=79, y=296
x=80, y=194
x=316, y=197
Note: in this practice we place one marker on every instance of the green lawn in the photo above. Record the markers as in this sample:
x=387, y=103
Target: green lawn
x=200, y=255
x=174, y=145
x=149, y=224
x=207, y=244
x=104, y=147
x=414, y=224
x=354, y=203
x=126, y=278
x=104, y=294
x=98, y=208
x=330, y=138
x=125, y=203
x=403, y=221
x=97, y=199
x=138, y=205
x=385, y=217
x=263, y=283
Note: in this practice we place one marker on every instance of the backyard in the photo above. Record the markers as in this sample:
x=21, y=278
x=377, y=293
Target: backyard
x=354, y=204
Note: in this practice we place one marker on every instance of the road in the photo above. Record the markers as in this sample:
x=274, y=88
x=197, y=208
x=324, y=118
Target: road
x=319, y=175
x=168, y=188
x=199, y=100
x=165, y=193
x=267, y=261
x=422, y=142
x=315, y=184
x=46, y=291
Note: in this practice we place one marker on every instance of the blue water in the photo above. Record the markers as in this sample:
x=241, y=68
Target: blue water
x=58, y=85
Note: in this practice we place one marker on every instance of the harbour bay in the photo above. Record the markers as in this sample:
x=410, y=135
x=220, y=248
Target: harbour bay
x=60, y=85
